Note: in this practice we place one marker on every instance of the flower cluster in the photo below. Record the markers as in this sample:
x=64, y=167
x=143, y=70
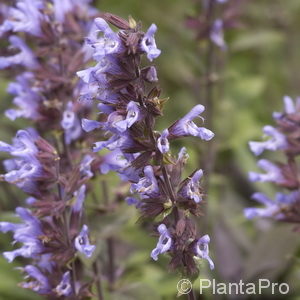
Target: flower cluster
x=129, y=102
x=283, y=138
x=33, y=167
x=47, y=162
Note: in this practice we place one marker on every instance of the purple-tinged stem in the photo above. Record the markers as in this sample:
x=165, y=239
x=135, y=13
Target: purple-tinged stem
x=111, y=262
x=191, y=295
x=98, y=282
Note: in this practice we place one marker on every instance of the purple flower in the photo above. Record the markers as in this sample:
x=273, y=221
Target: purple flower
x=22, y=174
x=217, y=34
x=30, y=200
x=64, y=288
x=46, y=262
x=61, y=8
x=27, y=233
x=23, y=144
x=25, y=167
x=164, y=242
x=109, y=43
x=272, y=208
x=114, y=161
x=25, y=17
x=278, y=141
x=87, y=75
x=90, y=125
x=26, y=98
x=82, y=243
x=273, y=172
x=202, y=250
x=130, y=174
x=79, y=199
x=7, y=226
x=151, y=74
x=114, y=142
x=290, y=107
x=4, y=10
x=132, y=116
x=25, y=57
x=97, y=73
x=148, y=43
x=132, y=201
x=147, y=186
x=41, y=284
x=269, y=210
x=183, y=155
x=192, y=188
x=88, y=92
x=70, y=123
x=85, y=166
x=186, y=127
x=163, y=143
x=94, y=74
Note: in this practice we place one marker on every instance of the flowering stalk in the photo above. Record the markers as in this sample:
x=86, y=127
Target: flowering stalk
x=209, y=28
x=213, y=18
x=284, y=139
x=129, y=100
x=48, y=162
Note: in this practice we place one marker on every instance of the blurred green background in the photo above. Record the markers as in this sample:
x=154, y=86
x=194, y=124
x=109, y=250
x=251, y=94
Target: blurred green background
x=261, y=65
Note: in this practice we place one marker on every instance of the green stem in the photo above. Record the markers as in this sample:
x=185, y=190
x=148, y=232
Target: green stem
x=209, y=96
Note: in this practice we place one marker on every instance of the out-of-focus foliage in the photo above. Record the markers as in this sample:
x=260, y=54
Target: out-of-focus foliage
x=261, y=65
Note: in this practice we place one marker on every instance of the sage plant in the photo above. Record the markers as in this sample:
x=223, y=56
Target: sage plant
x=130, y=101
x=48, y=161
x=284, y=139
